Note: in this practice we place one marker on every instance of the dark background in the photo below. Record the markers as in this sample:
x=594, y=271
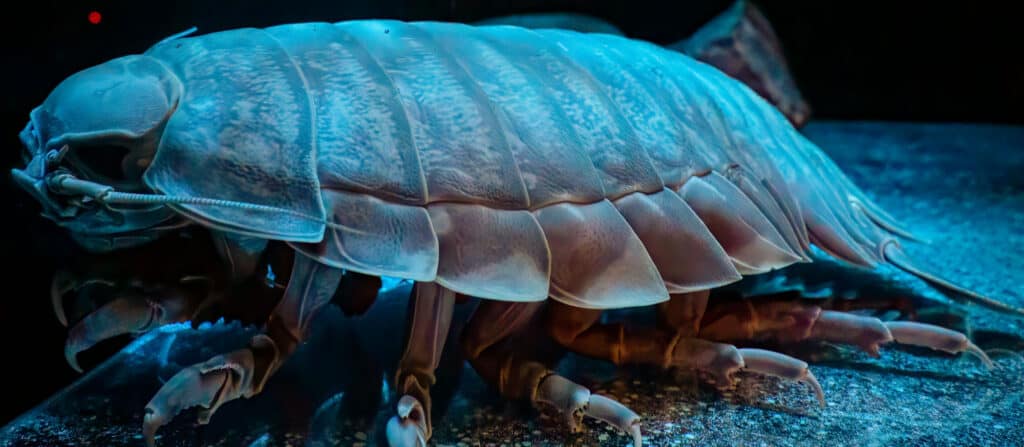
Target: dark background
x=852, y=60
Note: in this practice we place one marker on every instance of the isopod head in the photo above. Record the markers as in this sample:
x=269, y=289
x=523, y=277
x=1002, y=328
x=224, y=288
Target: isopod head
x=97, y=131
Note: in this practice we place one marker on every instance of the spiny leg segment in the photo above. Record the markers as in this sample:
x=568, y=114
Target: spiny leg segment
x=244, y=372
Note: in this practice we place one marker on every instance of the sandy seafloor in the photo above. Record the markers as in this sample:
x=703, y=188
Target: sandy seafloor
x=959, y=185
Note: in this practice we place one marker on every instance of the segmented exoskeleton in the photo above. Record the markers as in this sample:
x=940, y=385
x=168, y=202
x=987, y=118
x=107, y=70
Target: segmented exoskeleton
x=497, y=162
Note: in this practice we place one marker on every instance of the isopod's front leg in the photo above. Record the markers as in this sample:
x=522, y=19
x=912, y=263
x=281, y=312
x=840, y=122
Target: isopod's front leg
x=244, y=372
x=136, y=308
x=139, y=299
x=430, y=316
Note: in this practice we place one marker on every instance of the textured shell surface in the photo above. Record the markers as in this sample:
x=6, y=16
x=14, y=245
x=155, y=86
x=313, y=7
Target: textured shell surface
x=501, y=162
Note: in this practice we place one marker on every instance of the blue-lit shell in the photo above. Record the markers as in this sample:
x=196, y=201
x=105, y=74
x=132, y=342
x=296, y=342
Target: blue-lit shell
x=500, y=162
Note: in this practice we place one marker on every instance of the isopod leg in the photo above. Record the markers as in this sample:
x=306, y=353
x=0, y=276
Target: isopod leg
x=241, y=254
x=669, y=346
x=430, y=316
x=356, y=293
x=580, y=331
x=132, y=313
x=144, y=301
x=507, y=357
x=490, y=347
x=244, y=372
x=783, y=366
x=793, y=321
x=65, y=282
x=869, y=333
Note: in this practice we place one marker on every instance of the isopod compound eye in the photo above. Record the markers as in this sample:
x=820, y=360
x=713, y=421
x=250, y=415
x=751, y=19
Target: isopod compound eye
x=104, y=164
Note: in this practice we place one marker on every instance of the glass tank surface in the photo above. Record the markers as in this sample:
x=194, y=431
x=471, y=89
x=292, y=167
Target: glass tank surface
x=468, y=223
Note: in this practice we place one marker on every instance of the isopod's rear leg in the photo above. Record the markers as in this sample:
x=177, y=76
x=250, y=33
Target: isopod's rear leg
x=794, y=321
x=244, y=372
x=430, y=316
x=506, y=355
x=671, y=345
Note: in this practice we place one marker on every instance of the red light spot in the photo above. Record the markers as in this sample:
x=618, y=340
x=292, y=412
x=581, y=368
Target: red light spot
x=95, y=17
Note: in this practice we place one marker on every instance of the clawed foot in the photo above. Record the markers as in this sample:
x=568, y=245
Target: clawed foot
x=207, y=385
x=783, y=366
x=723, y=361
x=870, y=334
x=64, y=282
x=937, y=338
x=136, y=307
x=409, y=428
x=576, y=403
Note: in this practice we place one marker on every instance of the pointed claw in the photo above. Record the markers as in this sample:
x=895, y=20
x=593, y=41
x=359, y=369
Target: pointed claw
x=719, y=360
x=937, y=338
x=977, y=352
x=782, y=366
x=576, y=402
x=617, y=415
x=408, y=428
x=566, y=396
x=208, y=385
x=638, y=438
x=63, y=282
x=120, y=316
x=124, y=315
x=974, y=350
x=811, y=380
x=408, y=405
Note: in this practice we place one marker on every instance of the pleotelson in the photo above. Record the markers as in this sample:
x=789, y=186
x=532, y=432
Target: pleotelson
x=501, y=162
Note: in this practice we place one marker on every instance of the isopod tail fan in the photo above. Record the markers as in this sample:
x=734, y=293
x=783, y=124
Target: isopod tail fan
x=890, y=252
x=895, y=256
x=862, y=233
x=860, y=201
x=883, y=219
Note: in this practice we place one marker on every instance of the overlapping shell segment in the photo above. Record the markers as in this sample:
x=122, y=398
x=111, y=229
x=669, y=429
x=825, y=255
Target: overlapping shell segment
x=501, y=162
